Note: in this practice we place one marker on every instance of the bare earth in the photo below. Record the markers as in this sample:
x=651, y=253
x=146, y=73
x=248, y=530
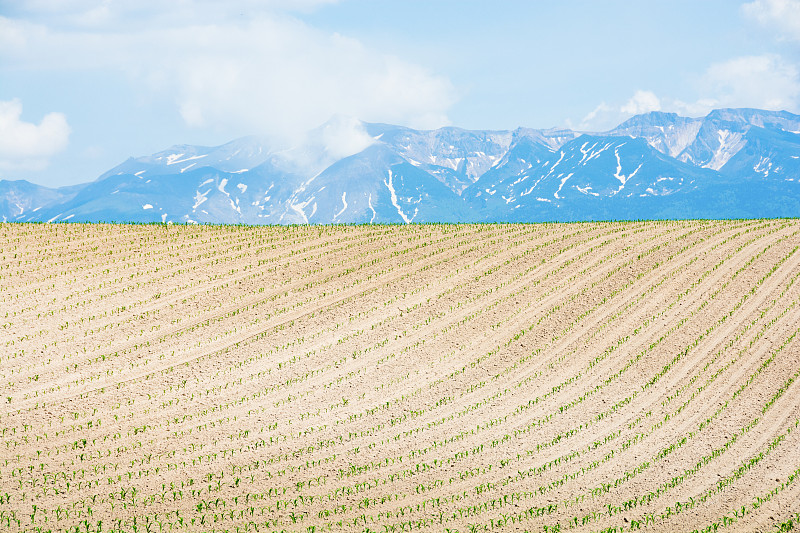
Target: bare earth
x=550, y=377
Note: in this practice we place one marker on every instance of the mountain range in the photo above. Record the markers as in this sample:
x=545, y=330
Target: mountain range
x=732, y=163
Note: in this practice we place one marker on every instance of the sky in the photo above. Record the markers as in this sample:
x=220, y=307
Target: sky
x=85, y=84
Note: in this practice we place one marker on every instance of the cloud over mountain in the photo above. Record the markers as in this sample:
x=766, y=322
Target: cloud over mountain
x=25, y=145
x=234, y=66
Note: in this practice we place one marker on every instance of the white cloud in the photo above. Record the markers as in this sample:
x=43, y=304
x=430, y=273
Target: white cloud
x=763, y=82
x=28, y=146
x=105, y=12
x=344, y=136
x=766, y=81
x=240, y=67
x=782, y=15
x=277, y=76
x=698, y=108
x=605, y=117
x=642, y=102
x=593, y=117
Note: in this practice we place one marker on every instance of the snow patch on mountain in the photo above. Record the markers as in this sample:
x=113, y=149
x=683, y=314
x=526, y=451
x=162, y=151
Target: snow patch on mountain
x=300, y=208
x=199, y=198
x=344, y=206
x=374, y=214
x=618, y=174
x=730, y=142
x=174, y=159
x=393, y=196
x=561, y=185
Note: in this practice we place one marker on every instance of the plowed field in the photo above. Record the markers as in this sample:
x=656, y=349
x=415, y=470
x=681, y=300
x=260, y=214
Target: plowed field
x=550, y=377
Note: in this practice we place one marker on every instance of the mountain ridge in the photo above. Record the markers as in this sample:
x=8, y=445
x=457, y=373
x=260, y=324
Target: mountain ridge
x=732, y=163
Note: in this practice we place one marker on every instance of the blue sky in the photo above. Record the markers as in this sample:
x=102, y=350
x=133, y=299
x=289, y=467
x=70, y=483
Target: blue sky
x=84, y=84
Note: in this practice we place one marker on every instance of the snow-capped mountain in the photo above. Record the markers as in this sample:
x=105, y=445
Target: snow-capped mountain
x=590, y=177
x=21, y=200
x=710, y=141
x=668, y=133
x=731, y=163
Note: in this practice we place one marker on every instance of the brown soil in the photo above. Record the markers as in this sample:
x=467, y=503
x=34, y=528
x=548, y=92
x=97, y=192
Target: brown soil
x=592, y=377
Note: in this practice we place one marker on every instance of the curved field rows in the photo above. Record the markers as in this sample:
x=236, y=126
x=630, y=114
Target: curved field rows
x=552, y=377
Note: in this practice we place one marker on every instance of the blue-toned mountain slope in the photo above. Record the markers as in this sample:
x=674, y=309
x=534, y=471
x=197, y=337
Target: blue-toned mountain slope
x=732, y=163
